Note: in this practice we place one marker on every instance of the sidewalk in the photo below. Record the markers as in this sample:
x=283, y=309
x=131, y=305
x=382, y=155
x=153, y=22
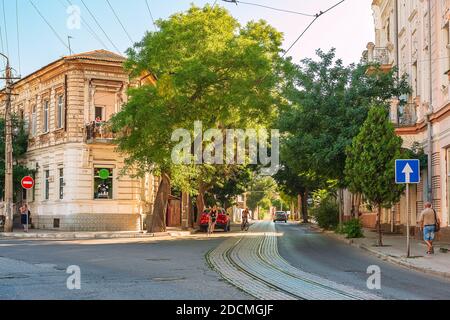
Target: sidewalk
x=81, y=235
x=394, y=250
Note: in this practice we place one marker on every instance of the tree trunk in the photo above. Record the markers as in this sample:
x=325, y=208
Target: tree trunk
x=200, y=202
x=380, y=235
x=293, y=211
x=304, y=200
x=357, y=204
x=341, y=206
x=158, y=218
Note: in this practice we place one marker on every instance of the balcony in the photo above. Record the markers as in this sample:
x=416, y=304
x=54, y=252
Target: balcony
x=406, y=115
x=379, y=56
x=99, y=132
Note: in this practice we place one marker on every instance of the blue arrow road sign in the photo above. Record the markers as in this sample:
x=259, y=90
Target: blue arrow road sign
x=407, y=171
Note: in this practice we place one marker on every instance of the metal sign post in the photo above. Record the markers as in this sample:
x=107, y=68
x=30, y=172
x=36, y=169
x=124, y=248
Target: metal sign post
x=407, y=172
x=408, y=238
x=27, y=183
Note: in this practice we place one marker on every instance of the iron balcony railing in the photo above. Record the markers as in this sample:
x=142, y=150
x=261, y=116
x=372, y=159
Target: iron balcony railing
x=380, y=55
x=407, y=115
x=99, y=132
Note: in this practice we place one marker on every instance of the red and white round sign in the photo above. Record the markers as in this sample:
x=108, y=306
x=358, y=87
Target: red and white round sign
x=27, y=182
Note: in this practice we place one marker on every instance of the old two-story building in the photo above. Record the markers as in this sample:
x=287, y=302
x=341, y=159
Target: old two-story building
x=78, y=173
x=414, y=35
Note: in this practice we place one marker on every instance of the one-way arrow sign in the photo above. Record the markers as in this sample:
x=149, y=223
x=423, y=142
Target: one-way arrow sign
x=407, y=171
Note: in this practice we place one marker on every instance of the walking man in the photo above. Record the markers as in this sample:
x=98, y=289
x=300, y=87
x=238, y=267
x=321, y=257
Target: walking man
x=429, y=223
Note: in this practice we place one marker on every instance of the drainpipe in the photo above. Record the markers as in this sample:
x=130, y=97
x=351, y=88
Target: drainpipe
x=397, y=50
x=397, y=62
x=430, y=112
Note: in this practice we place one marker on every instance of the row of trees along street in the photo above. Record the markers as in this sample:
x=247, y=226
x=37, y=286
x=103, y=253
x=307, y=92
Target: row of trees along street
x=334, y=121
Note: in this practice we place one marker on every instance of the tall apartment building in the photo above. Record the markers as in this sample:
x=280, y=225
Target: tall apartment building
x=414, y=35
x=79, y=183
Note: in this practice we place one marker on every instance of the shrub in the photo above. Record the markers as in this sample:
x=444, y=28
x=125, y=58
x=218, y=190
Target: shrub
x=353, y=229
x=326, y=214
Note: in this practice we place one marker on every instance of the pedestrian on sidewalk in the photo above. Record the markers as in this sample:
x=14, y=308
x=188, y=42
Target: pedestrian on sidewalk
x=429, y=224
x=23, y=216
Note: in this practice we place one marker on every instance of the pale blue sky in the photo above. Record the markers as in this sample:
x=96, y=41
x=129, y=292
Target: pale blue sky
x=348, y=27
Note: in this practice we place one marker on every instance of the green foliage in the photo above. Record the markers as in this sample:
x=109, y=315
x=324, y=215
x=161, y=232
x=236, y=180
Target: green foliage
x=207, y=68
x=328, y=104
x=280, y=203
x=371, y=160
x=231, y=184
x=352, y=229
x=262, y=189
x=417, y=152
x=20, y=144
x=326, y=214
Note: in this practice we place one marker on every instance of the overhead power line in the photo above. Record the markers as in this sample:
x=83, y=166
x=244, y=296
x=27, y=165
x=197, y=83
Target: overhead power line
x=151, y=15
x=99, y=25
x=48, y=23
x=271, y=8
x=317, y=16
x=89, y=28
x=6, y=27
x=120, y=22
x=18, y=36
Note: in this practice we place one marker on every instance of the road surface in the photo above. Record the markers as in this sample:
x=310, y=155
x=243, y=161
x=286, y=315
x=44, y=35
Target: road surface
x=311, y=251
x=271, y=261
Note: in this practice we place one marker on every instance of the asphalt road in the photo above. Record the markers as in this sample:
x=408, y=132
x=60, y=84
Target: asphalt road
x=176, y=269
x=329, y=258
x=113, y=269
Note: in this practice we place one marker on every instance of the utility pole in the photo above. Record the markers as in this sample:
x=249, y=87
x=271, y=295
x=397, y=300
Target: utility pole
x=8, y=200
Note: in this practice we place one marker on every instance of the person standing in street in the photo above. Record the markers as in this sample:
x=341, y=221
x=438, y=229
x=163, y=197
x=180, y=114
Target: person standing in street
x=429, y=224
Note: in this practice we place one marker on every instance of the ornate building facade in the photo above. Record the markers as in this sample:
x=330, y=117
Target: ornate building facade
x=414, y=35
x=79, y=183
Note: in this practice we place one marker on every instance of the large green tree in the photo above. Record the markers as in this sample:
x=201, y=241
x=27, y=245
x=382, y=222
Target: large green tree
x=328, y=103
x=370, y=163
x=207, y=68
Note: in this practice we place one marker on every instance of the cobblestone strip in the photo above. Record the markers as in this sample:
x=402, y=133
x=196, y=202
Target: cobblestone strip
x=238, y=277
x=269, y=253
x=254, y=265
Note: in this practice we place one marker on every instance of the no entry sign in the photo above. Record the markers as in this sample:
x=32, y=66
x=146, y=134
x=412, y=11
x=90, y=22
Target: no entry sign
x=27, y=182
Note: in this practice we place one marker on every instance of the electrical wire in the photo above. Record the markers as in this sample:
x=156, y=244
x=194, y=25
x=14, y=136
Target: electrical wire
x=6, y=27
x=99, y=25
x=271, y=8
x=317, y=16
x=151, y=15
x=49, y=25
x=89, y=28
x=120, y=22
x=18, y=36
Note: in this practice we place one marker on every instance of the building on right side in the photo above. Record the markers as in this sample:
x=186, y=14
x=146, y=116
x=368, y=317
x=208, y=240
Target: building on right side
x=414, y=36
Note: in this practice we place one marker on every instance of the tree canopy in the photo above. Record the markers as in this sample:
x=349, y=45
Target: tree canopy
x=207, y=68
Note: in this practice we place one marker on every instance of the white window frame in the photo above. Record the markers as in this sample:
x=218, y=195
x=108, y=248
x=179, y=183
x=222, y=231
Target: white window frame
x=46, y=123
x=33, y=120
x=60, y=112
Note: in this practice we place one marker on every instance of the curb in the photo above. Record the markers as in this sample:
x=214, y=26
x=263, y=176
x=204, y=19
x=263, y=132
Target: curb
x=385, y=257
x=87, y=236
